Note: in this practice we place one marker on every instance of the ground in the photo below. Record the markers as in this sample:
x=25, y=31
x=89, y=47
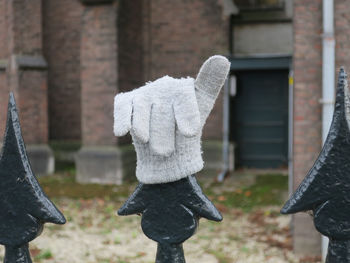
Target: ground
x=252, y=231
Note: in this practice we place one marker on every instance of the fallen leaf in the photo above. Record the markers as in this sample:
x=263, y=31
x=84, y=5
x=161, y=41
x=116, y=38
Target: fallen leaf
x=35, y=251
x=222, y=208
x=222, y=198
x=248, y=193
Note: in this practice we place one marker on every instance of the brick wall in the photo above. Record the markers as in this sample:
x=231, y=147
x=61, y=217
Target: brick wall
x=62, y=29
x=130, y=41
x=26, y=37
x=130, y=49
x=32, y=103
x=24, y=52
x=342, y=33
x=4, y=91
x=307, y=108
x=3, y=56
x=98, y=73
x=178, y=37
x=3, y=30
x=155, y=37
x=307, y=93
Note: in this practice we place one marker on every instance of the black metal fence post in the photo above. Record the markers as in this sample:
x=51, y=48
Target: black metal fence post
x=170, y=214
x=23, y=204
x=326, y=188
x=170, y=253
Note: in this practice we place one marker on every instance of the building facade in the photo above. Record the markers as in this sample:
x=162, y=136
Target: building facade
x=261, y=49
x=66, y=59
x=308, y=98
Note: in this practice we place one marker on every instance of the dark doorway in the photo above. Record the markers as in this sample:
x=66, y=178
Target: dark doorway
x=259, y=119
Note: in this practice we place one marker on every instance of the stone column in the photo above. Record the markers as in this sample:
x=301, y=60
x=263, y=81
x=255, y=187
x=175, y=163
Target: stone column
x=26, y=71
x=99, y=160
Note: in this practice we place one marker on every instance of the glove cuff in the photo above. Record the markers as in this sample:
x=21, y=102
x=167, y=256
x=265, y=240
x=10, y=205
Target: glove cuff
x=155, y=169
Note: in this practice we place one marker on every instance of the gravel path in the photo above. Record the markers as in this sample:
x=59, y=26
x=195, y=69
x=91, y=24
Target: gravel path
x=94, y=234
x=252, y=231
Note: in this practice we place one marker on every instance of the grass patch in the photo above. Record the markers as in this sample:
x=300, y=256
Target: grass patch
x=64, y=155
x=45, y=254
x=65, y=167
x=64, y=185
x=65, y=146
x=220, y=256
x=267, y=190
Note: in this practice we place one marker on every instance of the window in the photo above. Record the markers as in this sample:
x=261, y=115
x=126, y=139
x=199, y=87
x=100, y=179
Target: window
x=259, y=4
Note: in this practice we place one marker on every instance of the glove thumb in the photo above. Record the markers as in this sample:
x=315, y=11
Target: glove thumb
x=210, y=79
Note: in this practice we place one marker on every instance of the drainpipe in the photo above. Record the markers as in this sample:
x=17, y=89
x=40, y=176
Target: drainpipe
x=290, y=131
x=230, y=9
x=328, y=74
x=226, y=120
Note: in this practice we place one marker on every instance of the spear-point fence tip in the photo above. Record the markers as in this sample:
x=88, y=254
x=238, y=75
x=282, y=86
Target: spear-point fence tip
x=170, y=214
x=326, y=187
x=23, y=204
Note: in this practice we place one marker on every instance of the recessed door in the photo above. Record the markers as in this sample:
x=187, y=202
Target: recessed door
x=259, y=119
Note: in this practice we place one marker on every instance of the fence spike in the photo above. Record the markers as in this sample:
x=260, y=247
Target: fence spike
x=24, y=205
x=170, y=214
x=325, y=189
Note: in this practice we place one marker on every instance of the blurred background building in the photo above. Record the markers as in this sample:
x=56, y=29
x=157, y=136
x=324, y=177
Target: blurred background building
x=66, y=59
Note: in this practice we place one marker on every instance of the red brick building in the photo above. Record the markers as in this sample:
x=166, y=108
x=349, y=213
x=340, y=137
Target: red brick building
x=81, y=53
x=66, y=59
x=308, y=45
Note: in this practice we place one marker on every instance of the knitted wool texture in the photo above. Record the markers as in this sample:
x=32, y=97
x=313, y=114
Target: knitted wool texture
x=165, y=119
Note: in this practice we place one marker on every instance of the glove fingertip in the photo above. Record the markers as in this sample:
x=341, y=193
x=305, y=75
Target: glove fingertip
x=141, y=134
x=141, y=118
x=212, y=75
x=120, y=131
x=122, y=115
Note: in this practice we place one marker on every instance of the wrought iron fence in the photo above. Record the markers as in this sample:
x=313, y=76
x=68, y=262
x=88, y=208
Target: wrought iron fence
x=170, y=212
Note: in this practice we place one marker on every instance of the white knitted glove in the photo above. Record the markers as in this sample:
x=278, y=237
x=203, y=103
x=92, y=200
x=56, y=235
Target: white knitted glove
x=166, y=152
x=150, y=113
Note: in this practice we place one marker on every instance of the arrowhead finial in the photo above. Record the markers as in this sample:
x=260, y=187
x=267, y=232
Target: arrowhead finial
x=329, y=174
x=23, y=204
x=325, y=189
x=170, y=214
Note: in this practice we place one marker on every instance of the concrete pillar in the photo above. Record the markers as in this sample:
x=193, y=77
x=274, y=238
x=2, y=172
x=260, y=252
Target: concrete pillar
x=26, y=74
x=99, y=160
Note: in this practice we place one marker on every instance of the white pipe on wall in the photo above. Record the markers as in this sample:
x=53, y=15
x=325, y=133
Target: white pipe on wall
x=225, y=128
x=328, y=67
x=328, y=81
x=290, y=133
